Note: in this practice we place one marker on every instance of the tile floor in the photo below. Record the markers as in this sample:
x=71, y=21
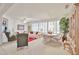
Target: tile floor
x=35, y=48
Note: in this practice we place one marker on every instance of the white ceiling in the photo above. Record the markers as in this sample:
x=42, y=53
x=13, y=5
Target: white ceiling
x=4, y=7
x=37, y=11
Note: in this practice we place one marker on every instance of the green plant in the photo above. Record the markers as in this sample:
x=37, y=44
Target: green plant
x=64, y=24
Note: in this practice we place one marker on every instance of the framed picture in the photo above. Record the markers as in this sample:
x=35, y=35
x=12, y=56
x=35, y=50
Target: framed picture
x=20, y=27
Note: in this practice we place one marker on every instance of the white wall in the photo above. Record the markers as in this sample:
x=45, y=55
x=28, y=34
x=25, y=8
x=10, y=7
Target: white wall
x=3, y=37
x=21, y=23
x=0, y=31
x=12, y=26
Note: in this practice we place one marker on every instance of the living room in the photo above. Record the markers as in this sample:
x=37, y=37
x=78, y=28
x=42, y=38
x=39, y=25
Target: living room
x=34, y=26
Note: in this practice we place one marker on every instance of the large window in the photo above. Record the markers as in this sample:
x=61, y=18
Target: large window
x=35, y=27
x=40, y=27
x=58, y=27
x=46, y=26
x=55, y=27
x=50, y=26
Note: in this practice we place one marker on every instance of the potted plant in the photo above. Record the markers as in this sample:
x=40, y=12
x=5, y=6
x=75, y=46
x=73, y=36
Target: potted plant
x=64, y=25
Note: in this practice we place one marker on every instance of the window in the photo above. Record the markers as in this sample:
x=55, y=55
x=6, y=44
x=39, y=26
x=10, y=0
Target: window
x=40, y=27
x=50, y=26
x=58, y=27
x=35, y=27
x=46, y=26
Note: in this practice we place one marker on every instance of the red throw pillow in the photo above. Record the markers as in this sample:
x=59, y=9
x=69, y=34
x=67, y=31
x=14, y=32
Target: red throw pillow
x=30, y=39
